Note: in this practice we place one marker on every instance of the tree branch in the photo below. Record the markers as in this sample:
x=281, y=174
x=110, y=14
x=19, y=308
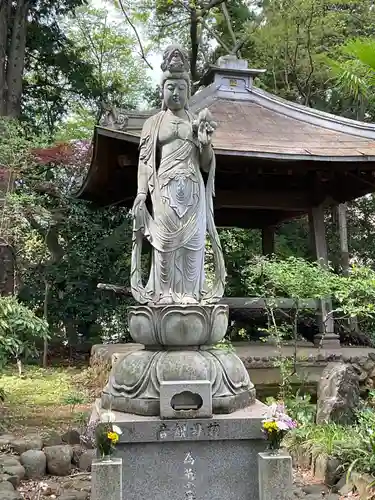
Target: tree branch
x=143, y=55
x=194, y=42
x=172, y=23
x=3, y=45
x=238, y=46
x=219, y=40
x=311, y=62
x=229, y=24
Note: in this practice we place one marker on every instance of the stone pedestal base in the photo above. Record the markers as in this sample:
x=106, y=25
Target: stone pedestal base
x=203, y=459
x=134, y=382
x=275, y=476
x=180, y=347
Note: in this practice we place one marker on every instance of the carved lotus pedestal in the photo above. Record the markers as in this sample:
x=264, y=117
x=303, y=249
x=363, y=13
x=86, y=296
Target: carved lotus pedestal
x=179, y=347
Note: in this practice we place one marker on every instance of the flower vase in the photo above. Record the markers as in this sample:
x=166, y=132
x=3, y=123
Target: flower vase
x=274, y=442
x=106, y=457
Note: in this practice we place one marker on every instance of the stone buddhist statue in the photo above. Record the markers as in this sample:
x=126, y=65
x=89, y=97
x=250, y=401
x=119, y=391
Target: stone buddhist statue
x=175, y=147
x=178, y=320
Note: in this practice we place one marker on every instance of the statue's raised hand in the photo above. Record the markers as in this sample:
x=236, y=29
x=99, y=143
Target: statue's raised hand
x=139, y=203
x=205, y=127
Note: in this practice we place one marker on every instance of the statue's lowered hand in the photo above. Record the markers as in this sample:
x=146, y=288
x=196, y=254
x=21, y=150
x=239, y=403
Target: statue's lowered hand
x=139, y=202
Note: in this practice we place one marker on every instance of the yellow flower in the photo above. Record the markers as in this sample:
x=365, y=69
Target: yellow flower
x=270, y=425
x=113, y=436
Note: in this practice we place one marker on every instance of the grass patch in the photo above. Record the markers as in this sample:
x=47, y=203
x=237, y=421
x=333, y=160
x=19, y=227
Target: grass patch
x=42, y=398
x=37, y=386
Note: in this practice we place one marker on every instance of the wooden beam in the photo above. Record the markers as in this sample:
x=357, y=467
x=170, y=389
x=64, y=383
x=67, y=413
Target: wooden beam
x=318, y=234
x=343, y=232
x=263, y=199
x=255, y=219
x=260, y=303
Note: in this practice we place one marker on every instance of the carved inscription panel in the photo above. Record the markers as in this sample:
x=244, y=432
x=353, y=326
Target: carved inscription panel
x=188, y=431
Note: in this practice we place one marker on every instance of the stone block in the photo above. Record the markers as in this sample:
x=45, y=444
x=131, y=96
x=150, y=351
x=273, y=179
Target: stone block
x=186, y=399
x=106, y=479
x=338, y=395
x=333, y=471
x=320, y=467
x=275, y=476
x=191, y=459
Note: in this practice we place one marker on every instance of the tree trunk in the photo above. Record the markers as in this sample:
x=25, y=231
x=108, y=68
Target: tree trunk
x=3, y=50
x=45, y=317
x=16, y=59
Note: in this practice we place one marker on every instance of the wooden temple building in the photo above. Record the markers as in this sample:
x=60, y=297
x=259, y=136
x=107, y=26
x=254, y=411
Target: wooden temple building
x=276, y=160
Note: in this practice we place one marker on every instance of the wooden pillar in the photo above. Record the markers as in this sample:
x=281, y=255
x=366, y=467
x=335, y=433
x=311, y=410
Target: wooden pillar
x=268, y=240
x=326, y=337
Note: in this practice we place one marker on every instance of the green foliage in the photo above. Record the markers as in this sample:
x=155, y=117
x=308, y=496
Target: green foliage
x=359, y=453
x=20, y=329
x=293, y=39
x=74, y=398
x=316, y=440
x=299, y=407
x=118, y=78
x=293, y=277
x=15, y=145
x=356, y=293
x=49, y=58
x=225, y=345
x=81, y=418
x=63, y=247
x=354, y=72
x=356, y=453
x=239, y=247
x=326, y=439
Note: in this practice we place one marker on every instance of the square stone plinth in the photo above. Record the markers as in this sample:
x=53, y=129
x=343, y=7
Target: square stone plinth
x=106, y=479
x=191, y=459
x=275, y=476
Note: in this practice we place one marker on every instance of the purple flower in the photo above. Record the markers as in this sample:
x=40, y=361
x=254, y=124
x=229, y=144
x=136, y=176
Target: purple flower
x=277, y=413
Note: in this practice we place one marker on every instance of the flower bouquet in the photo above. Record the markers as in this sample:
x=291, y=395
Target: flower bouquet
x=107, y=436
x=276, y=424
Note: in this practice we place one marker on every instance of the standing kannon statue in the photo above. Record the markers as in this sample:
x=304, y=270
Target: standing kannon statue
x=175, y=147
x=178, y=320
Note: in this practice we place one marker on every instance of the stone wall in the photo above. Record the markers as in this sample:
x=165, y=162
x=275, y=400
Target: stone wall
x=260, y=361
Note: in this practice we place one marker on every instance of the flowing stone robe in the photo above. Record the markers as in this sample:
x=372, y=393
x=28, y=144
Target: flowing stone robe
x=182, y=215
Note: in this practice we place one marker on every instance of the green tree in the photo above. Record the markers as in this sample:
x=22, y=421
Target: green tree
x=354, y=72
x=292, y=40
x=63, y=248
x=119, y=79
x=197, y=25
x=24, y=25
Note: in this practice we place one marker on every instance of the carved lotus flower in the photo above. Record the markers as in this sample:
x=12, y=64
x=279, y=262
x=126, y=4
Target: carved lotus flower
x=178, y=325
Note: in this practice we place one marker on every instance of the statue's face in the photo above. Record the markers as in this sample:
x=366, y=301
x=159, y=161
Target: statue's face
x=175, y=94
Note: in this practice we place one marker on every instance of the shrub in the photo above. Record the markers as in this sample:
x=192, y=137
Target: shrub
x=20, y=329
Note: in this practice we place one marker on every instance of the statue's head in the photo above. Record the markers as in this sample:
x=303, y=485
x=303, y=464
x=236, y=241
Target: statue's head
x=175, y=80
